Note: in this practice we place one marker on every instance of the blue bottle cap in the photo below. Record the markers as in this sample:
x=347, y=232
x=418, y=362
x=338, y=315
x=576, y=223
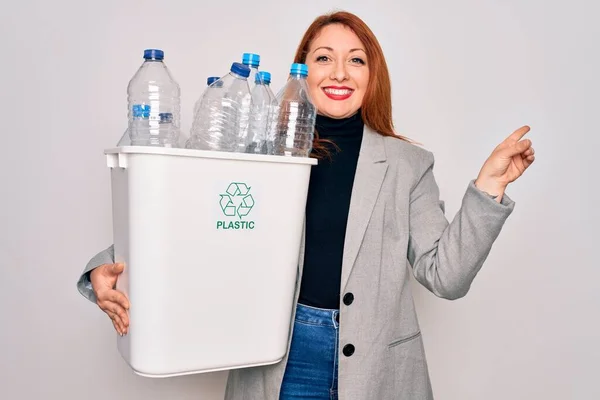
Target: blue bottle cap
x=154, y=54
x=165, y=117
x=240, y=69
x=264, y=77
x=211, y=80
x=251, y=59
x=299, y=69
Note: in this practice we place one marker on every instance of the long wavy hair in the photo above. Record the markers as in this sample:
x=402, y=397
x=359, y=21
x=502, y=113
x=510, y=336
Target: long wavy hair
x=376, y=109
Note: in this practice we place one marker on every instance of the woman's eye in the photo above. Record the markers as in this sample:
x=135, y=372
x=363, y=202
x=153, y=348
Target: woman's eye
x=322, y=58
x=357, y=60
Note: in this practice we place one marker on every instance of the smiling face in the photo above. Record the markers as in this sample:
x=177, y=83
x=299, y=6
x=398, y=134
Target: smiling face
x=338, y=71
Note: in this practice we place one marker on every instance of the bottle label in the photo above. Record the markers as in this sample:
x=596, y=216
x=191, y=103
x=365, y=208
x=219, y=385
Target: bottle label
x=141, y=111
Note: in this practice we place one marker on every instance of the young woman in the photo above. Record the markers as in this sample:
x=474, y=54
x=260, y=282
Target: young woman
x=373, y=216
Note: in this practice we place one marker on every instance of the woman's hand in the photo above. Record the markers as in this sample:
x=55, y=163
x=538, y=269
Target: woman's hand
x=111, y=301
x=507, y=163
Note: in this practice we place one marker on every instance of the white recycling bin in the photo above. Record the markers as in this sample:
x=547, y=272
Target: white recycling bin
x=210, y=243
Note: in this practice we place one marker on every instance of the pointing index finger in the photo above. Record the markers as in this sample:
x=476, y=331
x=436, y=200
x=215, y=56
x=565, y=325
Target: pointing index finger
x=518, y=134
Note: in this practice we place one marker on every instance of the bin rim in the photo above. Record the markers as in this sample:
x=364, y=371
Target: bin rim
x=221, y=155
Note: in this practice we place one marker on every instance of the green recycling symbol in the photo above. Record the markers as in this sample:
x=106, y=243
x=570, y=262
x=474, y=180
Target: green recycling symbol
x=236, y=200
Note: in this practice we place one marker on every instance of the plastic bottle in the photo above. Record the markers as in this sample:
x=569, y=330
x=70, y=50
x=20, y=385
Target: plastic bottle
x=252, y=61
x=295, y=124
x=209, y=83
x=273, y=118
x=219, y=122
x=263, y=107
x=210, y=99
x=151, y=92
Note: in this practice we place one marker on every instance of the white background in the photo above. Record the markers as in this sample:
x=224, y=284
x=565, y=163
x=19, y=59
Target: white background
x=465, y=74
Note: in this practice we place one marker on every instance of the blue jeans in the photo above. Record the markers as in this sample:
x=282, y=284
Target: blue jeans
x=312, y=367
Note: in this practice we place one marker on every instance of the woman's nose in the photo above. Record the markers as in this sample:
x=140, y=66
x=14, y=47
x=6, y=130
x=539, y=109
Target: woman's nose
x=339, y=72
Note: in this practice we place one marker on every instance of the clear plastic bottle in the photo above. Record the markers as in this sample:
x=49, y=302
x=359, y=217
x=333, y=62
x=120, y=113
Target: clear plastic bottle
x=273, y=118
x=210, y=99
x=252, y=61
x=295, y=124
x=166, y=128
x=263, y=104
x=209, y=83
x=219, y=123
x=151, y=92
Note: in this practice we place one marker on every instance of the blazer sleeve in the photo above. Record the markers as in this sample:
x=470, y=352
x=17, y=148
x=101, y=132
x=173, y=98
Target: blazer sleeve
x=447, y=256
x=84, y=285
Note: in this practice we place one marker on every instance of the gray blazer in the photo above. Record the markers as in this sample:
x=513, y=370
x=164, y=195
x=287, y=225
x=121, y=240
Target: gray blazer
x=396, y=225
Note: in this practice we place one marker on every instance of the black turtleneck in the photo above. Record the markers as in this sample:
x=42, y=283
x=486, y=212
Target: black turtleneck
x=327, y=211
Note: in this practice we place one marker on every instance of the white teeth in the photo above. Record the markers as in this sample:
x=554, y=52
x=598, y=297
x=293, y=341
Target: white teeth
x=338, y=92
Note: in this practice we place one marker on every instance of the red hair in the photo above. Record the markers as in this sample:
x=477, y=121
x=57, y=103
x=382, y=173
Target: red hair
x=376, y=110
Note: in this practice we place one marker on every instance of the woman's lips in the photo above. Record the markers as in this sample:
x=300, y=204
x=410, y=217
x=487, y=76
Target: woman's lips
x=335, y=93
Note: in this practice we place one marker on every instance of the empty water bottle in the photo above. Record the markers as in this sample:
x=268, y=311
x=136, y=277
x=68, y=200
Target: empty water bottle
x=252, y=61
x=153, y=104
x=209, y=83
x=219, y=122
x=210, y=99
x=295, y=124
x=165, y=125
x=263, y=104
x=273, y=117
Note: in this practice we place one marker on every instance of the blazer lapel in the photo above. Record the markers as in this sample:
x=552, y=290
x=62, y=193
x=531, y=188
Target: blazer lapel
x=370, y=171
